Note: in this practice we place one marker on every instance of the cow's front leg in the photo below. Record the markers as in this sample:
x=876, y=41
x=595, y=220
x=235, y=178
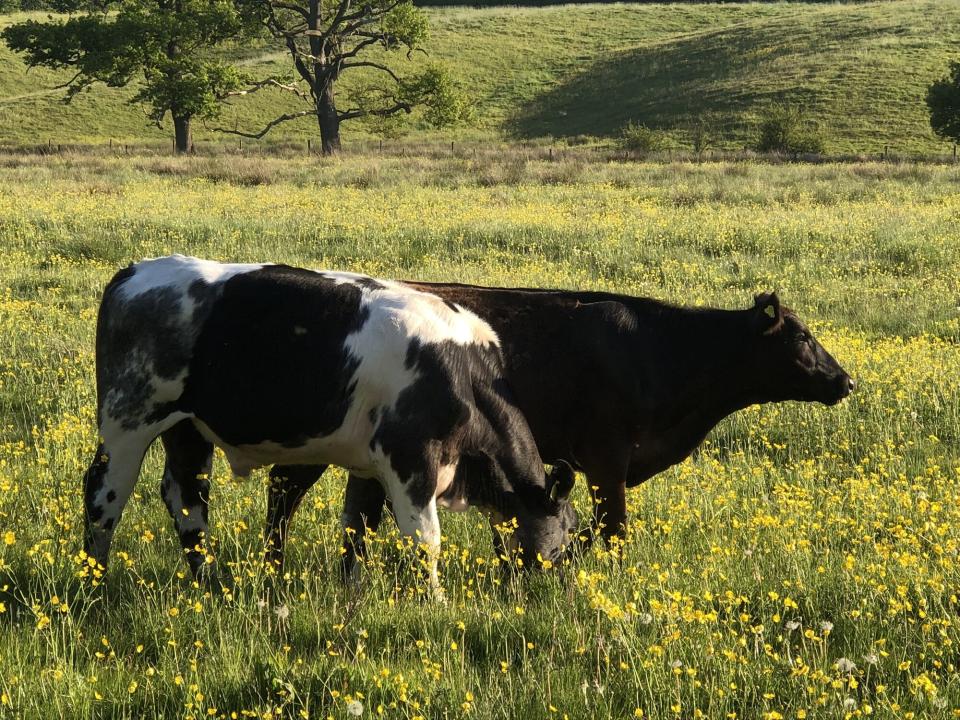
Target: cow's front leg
x=606, y=476
x=288, y=485
x=362, y=509
x=185, y=489
x=419, y=522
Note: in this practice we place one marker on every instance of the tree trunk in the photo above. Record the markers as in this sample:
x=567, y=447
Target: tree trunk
x=181, y=128
x=329, y=121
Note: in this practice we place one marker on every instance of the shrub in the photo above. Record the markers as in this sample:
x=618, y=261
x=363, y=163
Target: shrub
x=702, y=134
x=639, y=138
x=785, y=129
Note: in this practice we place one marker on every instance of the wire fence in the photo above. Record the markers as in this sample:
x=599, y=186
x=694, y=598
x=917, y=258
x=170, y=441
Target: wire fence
x=542, y=151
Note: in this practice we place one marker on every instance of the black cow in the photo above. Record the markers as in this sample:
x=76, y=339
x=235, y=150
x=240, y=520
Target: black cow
x=281, y=365
x=621, y=387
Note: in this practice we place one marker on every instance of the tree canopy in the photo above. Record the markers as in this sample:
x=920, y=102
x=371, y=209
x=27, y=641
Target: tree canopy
x=168, y=46
x=325, y=38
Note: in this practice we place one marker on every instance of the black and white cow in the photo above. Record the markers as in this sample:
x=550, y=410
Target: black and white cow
x=276, y=364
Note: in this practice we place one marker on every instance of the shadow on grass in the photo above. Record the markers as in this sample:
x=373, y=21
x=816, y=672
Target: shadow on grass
x=724, y=72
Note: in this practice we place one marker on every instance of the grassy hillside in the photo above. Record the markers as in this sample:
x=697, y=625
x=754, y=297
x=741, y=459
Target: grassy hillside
x=861, y=70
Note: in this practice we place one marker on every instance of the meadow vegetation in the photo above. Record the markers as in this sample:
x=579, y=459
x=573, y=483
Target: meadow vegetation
x=581, y=72
x=804, y=563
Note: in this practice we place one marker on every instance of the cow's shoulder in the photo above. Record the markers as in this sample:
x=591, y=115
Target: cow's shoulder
x=421, y=316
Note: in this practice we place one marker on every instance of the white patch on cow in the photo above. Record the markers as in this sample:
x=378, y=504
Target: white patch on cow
x=180, y=271
x=429, y=318
x=444, y=481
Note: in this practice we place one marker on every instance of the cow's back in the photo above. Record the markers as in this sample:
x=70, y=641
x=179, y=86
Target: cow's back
x=281, y=364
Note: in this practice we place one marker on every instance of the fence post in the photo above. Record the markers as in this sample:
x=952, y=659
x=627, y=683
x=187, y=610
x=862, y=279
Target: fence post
x=886, y=149
x=241, y=144
x=309, y=148
x=451, y=147
x=954, y=152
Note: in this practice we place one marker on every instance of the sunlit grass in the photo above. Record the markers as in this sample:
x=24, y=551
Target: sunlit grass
x=802, y=564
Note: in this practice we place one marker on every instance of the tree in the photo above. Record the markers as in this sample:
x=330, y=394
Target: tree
x=943, y=102
x=327, y=37
x=166, y=45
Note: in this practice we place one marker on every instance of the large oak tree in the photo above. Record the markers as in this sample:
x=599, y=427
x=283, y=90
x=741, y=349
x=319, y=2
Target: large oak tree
x=168, y=47
x=326, y=38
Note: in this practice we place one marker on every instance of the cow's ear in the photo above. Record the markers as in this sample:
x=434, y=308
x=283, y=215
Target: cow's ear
x=769, y=314
x=560, y=482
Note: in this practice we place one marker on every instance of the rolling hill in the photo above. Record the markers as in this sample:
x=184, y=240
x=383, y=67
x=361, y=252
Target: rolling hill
x=568, y=71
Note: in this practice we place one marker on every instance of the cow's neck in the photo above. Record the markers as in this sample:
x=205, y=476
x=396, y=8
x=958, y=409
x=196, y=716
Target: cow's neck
x=709, y=378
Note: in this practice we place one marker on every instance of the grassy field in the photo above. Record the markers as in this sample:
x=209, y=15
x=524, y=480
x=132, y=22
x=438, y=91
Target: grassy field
x=860, y=70
x=802, y=564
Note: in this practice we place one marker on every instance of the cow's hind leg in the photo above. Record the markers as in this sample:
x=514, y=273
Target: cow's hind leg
x=362, y=510
x=108, y=483
x=185, y=490
x=288, y=485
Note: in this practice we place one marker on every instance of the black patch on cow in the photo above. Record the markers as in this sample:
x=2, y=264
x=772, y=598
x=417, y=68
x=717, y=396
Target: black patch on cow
x=361, y=281
x=189, y=457
x=111, y=496
x=418, y=432
x=459, y=409
x=452, y=305
x=251, y=380
x=93, y=483
x=203, y=296
x=109, y=523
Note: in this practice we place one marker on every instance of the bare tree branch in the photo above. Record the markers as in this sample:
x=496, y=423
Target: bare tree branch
x=376, y=66
x=335, y=23
x=289, y=6
x=360, y=46
x=300, y=65
x=269, y=82
x=384, y=112
x=270, y=125
x=368, y=13
x=70, y=82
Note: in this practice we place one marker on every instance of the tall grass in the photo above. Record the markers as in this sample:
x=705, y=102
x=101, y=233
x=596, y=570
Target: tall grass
x=802, y=563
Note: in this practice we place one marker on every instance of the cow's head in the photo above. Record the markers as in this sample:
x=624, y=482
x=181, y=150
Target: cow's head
x=789, y=363
x=546, y=520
